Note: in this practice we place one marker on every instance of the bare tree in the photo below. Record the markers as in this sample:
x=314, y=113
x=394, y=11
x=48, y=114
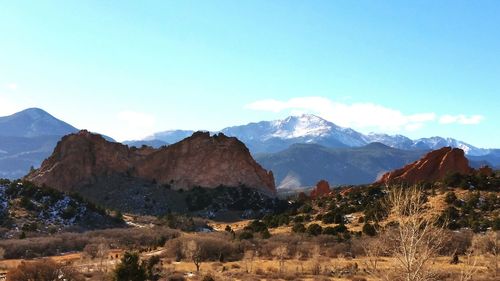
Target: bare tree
x=316, y=257
x=489, y=245
x=468, y=268
x=102, y=252
x=193, y=251
x=281, y=253
x=416, y=238
x=97, y=250
x=300, y=255
x=248, y=257
x=374, y=249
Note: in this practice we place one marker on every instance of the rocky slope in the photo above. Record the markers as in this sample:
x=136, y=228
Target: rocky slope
x=25, y=207
x=201, y=160
x=434, y=166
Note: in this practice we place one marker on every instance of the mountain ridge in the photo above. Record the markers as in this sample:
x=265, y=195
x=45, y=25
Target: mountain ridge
x=277, y=135
x=303, y=164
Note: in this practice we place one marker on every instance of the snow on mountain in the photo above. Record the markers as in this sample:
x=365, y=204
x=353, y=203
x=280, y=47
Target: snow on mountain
x=301, y=126
x=306, y=128
x=396, y=141
x=438, y=142
x=277, y=135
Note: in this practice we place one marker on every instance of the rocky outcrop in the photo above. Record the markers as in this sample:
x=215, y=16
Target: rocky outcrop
x=201, y=160
x=322, y=189
x=485, y=171
x=434, y=166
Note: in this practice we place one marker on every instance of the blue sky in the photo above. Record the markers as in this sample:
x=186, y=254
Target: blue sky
x=129, y=68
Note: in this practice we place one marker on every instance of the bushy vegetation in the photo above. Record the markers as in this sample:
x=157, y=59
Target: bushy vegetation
x=131, y=268
x=469, y=212
x=122, y=238
x=43, y=270
x=231, y=198
x=476, y=181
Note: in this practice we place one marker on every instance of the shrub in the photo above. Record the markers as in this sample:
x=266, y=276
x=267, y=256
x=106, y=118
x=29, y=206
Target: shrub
x=43, y=270
x=450, y=198
x=256, y=226
x=299, y=228
x=208, y=277
x=306, y=208
x=314, y=229
x=333, y=217
x=369, y=229
x=341, y=228
x=245, y=235
x=129, y=269
x=456, y=243
x=265, y=234
x=329, y=231
x=213, y=247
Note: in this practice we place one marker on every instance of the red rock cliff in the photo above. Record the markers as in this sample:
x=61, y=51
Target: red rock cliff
x=435, y=165
x=322, y=189
x=200, y=160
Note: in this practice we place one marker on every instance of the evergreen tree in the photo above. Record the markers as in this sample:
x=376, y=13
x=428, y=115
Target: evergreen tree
x=129, y=269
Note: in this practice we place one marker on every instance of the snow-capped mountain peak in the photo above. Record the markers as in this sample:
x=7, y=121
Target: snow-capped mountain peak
x=306, y=125
x=273, y=136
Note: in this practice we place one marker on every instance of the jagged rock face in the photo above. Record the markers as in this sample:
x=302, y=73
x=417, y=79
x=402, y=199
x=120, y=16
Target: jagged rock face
x=322, y=189
x=200, y=160
x=485, y=171
x=434, y=166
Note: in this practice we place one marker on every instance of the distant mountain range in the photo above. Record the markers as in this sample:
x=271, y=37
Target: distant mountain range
x=283, y=146
x=139, y=143
x=278, y=135
x=305, y=164
x=33, y=122
x=27, y=138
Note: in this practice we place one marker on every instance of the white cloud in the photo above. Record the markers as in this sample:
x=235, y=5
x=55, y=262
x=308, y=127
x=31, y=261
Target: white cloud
x=11, y=86
x=461, y=119
x=134, y=125
x=361, y=116
x=8, y=105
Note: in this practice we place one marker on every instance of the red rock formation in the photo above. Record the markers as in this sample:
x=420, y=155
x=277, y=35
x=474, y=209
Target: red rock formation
x=434, y=166
x=485, y=171
x=322, y=189
x=200, y=160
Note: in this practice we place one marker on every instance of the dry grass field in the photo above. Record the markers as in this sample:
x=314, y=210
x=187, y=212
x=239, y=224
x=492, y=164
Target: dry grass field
x=321, y=268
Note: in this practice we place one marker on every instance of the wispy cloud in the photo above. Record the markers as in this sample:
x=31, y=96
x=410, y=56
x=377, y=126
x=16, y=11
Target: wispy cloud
x=8, y=104
x=11, y=86
x=361, y=116
x=461, y=119
x=134, y=125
